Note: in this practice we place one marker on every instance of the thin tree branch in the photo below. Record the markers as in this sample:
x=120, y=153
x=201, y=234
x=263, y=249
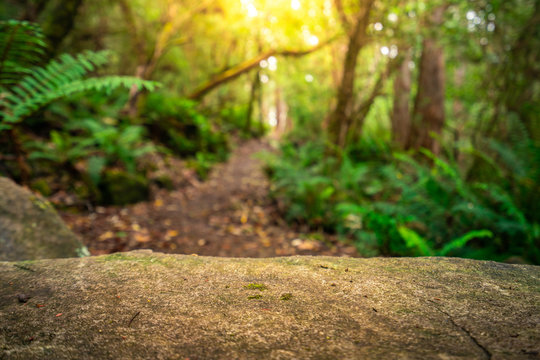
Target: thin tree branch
x=247, y=65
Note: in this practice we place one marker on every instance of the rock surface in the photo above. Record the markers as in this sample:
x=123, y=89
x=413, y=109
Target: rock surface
x=155, y=306
x=31, y=229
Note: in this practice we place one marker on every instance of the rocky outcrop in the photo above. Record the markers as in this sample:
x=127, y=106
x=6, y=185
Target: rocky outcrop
x=154, y=306
x=30, y=228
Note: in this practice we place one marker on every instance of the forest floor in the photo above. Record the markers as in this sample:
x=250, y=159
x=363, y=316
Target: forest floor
x=229, y=215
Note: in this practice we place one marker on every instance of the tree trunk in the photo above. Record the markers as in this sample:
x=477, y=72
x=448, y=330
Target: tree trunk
x=458, y=110
x=359, y=116
x=33, y=9
x=59, y=18
x=428, y=115
x=279, y=109
x=401, y=113
x=520, y=92
x=255, y=85
x=341, y=118
x=262, y=110
x=147, y=64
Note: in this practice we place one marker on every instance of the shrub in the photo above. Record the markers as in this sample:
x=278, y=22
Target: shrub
x=403, y=204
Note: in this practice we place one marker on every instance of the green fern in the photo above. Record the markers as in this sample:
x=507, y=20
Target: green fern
x=461, y=241
x=424, y=248
x=415, y=241
x=60, y=78
x=22, y=46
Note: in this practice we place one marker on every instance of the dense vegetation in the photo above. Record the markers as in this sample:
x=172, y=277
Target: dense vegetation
x=407, y=127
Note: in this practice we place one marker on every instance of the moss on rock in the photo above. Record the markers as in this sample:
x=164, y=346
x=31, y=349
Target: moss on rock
x=30, y=228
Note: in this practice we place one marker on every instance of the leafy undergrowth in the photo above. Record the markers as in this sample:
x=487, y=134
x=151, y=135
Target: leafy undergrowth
x=407, y=204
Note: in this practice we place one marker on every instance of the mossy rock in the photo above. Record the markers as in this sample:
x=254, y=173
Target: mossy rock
x=31, y=229
x=119, y=187
x=143, y=305
x=41, y=186
x=164, y=182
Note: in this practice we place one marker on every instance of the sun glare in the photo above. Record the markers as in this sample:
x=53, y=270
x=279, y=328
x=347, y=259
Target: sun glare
x=313, y=40
x=252, y=11
x=250, y=8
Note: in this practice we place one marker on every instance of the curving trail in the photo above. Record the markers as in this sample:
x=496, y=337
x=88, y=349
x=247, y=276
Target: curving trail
x=228, y=215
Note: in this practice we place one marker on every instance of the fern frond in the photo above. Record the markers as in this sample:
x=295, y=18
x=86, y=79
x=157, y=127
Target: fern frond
x=461, y=241
x=22, y=46
x=61, y=78
x=509, y=157
x=416, y=242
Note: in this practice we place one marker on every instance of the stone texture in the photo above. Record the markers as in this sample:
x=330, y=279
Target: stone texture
x=155, y=306
x=31, y=229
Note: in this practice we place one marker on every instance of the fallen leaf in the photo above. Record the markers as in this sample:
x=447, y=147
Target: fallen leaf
x=234, y=230
x=308, y=245
x=142, y=237
x=305, y=244
x=170, y=234
x=106, y=236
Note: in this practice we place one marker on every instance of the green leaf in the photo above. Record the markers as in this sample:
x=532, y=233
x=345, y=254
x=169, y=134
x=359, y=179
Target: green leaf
x=96, y=164
x=461, y=241
x=414, y=241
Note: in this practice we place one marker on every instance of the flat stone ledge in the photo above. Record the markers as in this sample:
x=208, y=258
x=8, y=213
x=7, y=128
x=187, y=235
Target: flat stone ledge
x=155, y=306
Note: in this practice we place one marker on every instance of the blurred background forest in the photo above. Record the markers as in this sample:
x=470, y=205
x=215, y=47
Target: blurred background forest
x=406, y=128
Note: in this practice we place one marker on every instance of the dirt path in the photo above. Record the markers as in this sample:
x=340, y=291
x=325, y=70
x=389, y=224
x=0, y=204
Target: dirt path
x=228, y=215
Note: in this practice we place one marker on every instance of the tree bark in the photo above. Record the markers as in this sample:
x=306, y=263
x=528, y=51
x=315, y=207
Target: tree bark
x=255, y=86
x=147, y=64
x=341, y=118
x=401, y=113
x=428, y=115
x=33, y=9
x=59, y=20
x=360, y=114
x=522, y=74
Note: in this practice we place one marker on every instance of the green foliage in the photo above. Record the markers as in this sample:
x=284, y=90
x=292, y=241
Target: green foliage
x=202, y=163
x=233, y=119
x=118, y=187
x=22, y=46
x=402, y=206
x=62, y=149
x=299, y=184
x=176, y=122
x=120, y=144
x=102, y=144
x=424, y=248
x=59, y=79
